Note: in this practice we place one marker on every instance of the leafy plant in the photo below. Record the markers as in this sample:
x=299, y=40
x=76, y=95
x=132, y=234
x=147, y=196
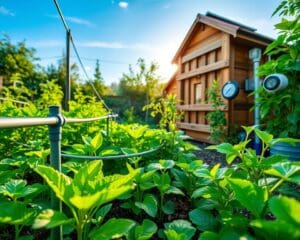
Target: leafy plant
x=280, y=112
x=216, y=118
x=242, y=194
x=84, y=195
x=15, y=210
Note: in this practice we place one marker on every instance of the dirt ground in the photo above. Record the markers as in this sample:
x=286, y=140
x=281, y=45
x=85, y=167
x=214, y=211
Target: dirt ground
x=211, y=157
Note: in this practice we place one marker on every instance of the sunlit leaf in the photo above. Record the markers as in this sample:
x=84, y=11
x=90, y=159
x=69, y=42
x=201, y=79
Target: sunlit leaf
x=50, y=219
x=112, y=229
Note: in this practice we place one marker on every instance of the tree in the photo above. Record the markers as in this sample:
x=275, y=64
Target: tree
x=58, y=74
x=97, y=74
x=141, y=86
x=98, y=83
x=17, y=64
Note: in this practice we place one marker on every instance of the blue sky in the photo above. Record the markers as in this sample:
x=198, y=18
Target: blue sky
x=119, y=32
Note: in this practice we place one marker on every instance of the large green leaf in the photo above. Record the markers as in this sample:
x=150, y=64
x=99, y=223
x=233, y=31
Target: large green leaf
x=249, y=195
x=204, y=220
x=286, y=209
x=86, y=178
x=58, y=182
x=16, y=188
x=145, y=231
x=285, y=170
x=149, y=205
x=112, y=229
x=173, y=235
x=180, y=227
x=264, y=136
x=16, y=213
x=50, y=219
x=275, y=230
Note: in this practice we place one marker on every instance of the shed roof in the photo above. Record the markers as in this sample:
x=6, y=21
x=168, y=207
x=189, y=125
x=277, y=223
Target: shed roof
x=223, y=24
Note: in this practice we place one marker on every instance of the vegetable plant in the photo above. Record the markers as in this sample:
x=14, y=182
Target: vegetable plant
x=84, y=195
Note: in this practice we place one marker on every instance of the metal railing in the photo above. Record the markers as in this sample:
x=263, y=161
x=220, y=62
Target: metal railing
x=17, y=102
x=55, y=122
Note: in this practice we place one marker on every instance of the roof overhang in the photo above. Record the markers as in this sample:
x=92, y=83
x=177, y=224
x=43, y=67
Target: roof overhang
x=225, y=25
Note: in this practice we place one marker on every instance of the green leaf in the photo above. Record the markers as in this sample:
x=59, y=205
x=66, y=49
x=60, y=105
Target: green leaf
x=264, y=136
x=174, y=190
x=162, y=181
x=16, y=188
x=248, y=130
x=285, y=170
x=202, y=172
x=97, y=141
x=167, y=164
x=145, y=231
x=276, y=230
x=181, y=227
x=85, y=179
x=293, y=117
x=207, y=235
x=145, y=180
x=50, y=219
x=173, y=235
x=112, y=229
x=204, y=220
x=286, y=209
x=249, y=195
x=214, y=170
x=149, y=205
x=16, y=213
x=58, y=182
x=228, y=149
x=205, y=192
x=169, y=207
x=101, y=213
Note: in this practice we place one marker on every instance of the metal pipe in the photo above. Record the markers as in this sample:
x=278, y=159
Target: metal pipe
x=114, y=157
x=80, y=120
x=14, y=101
x=68, y=77
x=7, y=122
x=55, y=134
x=255, y=56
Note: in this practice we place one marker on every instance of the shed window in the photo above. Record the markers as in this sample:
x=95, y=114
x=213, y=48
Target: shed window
x=198, y=93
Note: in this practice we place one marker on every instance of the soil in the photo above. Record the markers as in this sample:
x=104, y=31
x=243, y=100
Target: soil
x=210, y=157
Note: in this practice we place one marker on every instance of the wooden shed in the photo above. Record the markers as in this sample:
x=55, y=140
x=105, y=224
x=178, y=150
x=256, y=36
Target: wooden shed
x=214, y=48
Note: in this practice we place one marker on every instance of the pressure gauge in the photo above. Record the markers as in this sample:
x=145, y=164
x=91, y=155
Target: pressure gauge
x=230, y=89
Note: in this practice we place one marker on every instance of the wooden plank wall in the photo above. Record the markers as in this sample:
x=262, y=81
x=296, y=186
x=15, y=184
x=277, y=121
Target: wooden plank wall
x=206, y=58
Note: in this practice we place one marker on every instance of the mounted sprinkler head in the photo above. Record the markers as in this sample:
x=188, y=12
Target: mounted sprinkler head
x=275, y=82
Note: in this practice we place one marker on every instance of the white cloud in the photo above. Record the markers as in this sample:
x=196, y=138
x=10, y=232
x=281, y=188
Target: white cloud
x=5, y=11
x=100, y=44
x=76, y=20
x=88, y=68
x=123, y=4
x=117, y=45
x=79, y=21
